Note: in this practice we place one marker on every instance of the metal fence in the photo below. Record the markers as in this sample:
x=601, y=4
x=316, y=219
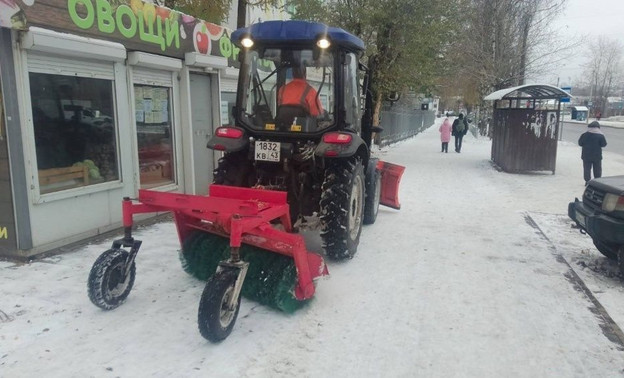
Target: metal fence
x=399, y=124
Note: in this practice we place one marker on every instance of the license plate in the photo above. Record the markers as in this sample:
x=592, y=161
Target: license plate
x=267, y=151
x=580, y=218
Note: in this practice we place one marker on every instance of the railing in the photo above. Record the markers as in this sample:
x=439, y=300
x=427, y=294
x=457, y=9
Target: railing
x=400, y=124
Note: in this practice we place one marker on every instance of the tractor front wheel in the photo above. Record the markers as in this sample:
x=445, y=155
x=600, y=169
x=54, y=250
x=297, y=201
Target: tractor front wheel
x=215, y=317
x=342, y=208
x=234, y=169
x=110, y=281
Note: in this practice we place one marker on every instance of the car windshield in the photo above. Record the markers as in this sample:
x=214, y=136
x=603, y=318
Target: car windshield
x=287, y=90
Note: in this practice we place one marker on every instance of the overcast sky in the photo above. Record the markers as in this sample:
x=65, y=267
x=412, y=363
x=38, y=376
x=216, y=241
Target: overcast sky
x=589, y=18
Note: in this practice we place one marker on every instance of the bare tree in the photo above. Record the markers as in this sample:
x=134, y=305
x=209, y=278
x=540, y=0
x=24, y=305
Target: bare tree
x=403, y=38
x=216, y=11
x=604, y=70
x=501, y=43
x=241, y=9
x=506, y=40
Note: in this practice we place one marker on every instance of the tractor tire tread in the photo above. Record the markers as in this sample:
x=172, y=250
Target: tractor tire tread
x=208, y=314
x=334, y=208
x=97, y=284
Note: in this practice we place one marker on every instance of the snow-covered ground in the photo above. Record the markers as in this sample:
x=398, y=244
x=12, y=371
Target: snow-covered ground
x=478, y=275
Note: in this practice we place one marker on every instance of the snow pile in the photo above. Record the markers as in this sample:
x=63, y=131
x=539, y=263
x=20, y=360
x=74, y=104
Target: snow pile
x=469, y=278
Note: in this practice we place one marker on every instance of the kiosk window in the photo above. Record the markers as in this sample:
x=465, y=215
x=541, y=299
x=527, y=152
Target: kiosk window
x=154, y=135
x=75, y=131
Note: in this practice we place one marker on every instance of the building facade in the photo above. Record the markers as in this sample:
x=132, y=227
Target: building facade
x=99, y=99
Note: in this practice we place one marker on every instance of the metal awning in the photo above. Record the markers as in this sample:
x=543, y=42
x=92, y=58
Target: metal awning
x=529, y=91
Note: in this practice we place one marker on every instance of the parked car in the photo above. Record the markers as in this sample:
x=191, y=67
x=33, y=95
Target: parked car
x=600, y=214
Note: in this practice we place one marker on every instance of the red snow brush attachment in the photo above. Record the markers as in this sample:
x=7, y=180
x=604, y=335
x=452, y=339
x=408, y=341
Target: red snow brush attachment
x=245, y=224
x=240, y=240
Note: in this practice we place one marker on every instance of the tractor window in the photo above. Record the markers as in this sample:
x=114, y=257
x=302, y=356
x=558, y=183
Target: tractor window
x=287, y=90
x=352, y=94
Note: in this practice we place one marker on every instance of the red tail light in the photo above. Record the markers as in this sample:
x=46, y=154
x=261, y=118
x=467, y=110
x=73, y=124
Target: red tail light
x=229, y=132
x=337, y=138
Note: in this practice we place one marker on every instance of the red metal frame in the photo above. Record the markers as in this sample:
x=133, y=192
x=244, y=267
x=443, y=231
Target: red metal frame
x=390, y=179
x=241, y=214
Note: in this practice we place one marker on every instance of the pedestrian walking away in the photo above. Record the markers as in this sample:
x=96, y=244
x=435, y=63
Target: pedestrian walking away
x=592, y=142
x=445, y=134
x=460, y=128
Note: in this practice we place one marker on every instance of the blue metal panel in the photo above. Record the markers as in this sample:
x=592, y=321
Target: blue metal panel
x=270, y=32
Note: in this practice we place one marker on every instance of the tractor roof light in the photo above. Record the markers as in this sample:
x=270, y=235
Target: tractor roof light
x=323, y=43
x=337, y=138
x=247, y=42
x=229, y=132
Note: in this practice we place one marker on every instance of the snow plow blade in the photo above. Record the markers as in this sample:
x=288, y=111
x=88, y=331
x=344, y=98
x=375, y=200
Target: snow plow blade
x=390, y=179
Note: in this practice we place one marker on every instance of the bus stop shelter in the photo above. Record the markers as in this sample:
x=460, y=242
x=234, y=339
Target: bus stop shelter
x=526, y=127
x=580, y=113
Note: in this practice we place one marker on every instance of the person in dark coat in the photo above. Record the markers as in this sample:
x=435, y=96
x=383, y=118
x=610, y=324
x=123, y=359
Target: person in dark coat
x=460, y=128
x=592, y=142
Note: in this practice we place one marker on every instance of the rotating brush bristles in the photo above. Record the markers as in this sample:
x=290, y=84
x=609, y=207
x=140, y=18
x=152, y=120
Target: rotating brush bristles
x=270, y=279
x=201, y=253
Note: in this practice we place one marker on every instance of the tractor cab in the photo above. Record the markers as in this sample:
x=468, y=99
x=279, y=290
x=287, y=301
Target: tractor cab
x=297, y=78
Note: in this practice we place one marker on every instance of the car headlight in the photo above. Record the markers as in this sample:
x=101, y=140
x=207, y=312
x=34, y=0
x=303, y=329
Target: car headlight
x=613, y=202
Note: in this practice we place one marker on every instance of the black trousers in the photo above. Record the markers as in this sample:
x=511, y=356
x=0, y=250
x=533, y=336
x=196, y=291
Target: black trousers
x=587, y=169
x=444, y=146
x=458, y=142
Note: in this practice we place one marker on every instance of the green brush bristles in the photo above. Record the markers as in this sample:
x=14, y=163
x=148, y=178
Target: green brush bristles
x=201, y=253
x=270, y=279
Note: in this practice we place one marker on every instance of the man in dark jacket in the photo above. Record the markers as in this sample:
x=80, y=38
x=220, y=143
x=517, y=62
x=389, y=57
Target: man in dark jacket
x=460, y=128
x=592, y=142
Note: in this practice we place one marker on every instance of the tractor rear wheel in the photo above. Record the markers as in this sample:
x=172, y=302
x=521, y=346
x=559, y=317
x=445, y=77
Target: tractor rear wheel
x=373, y=193
x=342, y=208
x=233, y=169
x=108, y=283
x=215, y=319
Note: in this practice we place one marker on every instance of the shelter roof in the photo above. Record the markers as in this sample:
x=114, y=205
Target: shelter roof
x=580, y=108
x=537, y=91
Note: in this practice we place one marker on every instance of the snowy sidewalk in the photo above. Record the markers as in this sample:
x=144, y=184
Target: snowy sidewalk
x=459, y=282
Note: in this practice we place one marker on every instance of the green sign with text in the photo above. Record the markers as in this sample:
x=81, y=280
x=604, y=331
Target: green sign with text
x=135, y=24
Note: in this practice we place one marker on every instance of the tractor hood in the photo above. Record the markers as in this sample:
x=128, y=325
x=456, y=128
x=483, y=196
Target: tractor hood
x=270, y=32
